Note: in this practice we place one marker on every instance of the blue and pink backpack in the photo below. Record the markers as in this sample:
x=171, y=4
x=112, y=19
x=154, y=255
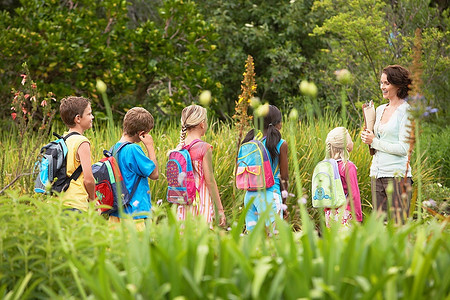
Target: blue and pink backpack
x=180, y=176
x=253, y=166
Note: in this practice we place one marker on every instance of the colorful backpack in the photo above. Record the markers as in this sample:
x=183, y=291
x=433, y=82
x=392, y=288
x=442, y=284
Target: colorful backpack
x=180, y=176
x=253, y=166
x=52, y=166
x=107, y=177
x=327, y=190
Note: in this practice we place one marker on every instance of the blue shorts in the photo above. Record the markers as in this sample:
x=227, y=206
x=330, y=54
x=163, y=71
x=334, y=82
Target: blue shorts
x=263, y=200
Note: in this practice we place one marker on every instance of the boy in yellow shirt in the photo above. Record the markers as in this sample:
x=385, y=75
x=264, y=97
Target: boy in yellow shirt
x=76, y=113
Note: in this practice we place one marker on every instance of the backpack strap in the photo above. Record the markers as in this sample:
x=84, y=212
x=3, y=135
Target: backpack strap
x=67, y=135
x=76, y=173
x=113, y=152
x=188, y=147
x=259, y=136
x=135, y=187
x=121, y=146
x=262, y=139
x=78, y=170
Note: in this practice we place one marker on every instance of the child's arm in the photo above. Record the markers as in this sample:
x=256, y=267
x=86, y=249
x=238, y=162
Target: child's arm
x=284, y=170
x=352, y=186
x=84, y=153
x=212, y=185
x=147, y=139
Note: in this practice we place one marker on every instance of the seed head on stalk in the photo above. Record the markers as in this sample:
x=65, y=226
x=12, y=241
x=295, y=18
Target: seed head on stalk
x=248, y=88
x=419, y=110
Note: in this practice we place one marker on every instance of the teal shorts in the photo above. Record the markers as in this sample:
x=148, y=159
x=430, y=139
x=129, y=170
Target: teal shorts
x=263, y=200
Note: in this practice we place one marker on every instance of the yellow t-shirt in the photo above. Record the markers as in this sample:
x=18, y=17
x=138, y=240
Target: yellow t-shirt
x=76, y=195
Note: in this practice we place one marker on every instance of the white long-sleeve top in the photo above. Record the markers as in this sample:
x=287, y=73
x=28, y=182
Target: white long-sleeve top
x=390, y=143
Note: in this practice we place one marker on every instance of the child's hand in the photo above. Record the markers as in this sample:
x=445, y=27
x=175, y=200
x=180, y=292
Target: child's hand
x=222, y=219
x=146, y=138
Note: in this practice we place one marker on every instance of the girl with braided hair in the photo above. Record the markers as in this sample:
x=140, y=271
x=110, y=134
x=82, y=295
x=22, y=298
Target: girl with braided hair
x=193, y=127
x=338, y=146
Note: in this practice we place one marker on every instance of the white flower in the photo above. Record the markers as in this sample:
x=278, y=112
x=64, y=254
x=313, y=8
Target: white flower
x=308, y=88
x=284, y=194
x=293, y=115
x=302, y=200
x=101, y=86
x=205, y=98
x=283, y=207
x=429, y=203
x=262, y=110
x=343, y=76
x=159, y=202
x=255, y=102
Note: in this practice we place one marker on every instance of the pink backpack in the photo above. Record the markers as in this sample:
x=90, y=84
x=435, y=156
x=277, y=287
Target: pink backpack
x=180, y=176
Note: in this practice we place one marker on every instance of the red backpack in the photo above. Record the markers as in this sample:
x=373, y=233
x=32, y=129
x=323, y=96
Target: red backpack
x=107, y=176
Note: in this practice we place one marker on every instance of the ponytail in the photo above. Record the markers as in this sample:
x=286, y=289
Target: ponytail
x=273, y=137
x=250, y=135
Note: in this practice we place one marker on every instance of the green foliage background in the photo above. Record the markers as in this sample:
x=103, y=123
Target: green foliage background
x=162, y=53
x=158, y=62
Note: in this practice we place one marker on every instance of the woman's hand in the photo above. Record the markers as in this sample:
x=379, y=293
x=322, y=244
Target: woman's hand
x=367, y=136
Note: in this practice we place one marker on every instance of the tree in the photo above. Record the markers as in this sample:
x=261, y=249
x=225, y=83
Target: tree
x=159, y=62
x=365, y=35
x=275, y=34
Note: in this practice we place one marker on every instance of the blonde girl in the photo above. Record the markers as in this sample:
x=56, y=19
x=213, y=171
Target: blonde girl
x=193, y=127
x=338, y=146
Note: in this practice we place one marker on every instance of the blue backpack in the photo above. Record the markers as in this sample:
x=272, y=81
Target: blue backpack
x=253, y=166
x=327, y=190
x=51, y=165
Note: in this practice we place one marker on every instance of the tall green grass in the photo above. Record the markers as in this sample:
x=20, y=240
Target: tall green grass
x=310, y=141
x=49, y=253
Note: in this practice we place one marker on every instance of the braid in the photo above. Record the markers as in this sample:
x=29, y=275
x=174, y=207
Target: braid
x=183, y=134
x=182, y=137
x=328, y=151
